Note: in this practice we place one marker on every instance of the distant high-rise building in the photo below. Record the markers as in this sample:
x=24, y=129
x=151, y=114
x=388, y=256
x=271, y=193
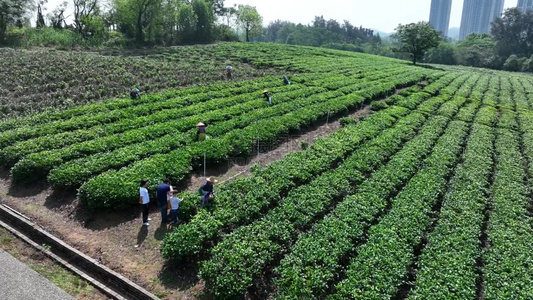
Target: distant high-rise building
x=525, y=5
x=478, y=16
x=439, y=17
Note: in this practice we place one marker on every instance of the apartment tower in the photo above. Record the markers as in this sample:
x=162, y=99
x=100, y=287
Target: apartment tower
x=439, y=17
x=525, y=5
x=478, y=16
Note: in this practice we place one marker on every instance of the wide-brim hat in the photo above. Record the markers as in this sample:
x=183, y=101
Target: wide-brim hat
x=200, y=124
x=265, y=91
x=212, y=179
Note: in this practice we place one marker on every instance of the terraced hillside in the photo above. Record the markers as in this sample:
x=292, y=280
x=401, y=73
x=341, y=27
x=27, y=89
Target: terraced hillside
x=428, y=197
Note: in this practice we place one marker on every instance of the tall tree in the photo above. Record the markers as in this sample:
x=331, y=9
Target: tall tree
x=82, y=10
x=12, y=12
x=134, y=18
x=217, y=7
x=186, y=23
x=229, y=14
x=416, y=39
x=249, y=20
x=205, y=21
x=40, y=17
x=57, y=17
x=513, y=33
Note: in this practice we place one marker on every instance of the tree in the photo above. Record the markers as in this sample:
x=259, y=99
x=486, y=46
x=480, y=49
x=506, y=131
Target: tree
x=134, y=16
x=186, y=23
x=205, y=21
x=217, y=7
x=228, y=13
x=57, y=17
x=513, y=63
x=443, y=54
x=514, y=33
x=249, y=20
x=476, y=50
x=82, y=10
x=416, y=39
x=12, y=12
x=40, y=18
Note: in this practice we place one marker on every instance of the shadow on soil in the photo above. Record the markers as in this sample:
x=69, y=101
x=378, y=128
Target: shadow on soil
x=22, y=190
x=60, y=199
x=182, y=276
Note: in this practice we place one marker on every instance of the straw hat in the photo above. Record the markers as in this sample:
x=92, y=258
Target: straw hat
x=200, y=124
x=265, y=91
x=212, y=179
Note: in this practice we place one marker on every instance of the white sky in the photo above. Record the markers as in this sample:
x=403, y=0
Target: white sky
x=383, y=15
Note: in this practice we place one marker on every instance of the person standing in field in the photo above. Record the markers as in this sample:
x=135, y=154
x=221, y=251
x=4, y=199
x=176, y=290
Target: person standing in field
x=145, y=201
x=162, y=195
x=286, y=80
x=206, y=191
x=200, y=133
x=267, y=96
x=174, y=207
x=229, y=72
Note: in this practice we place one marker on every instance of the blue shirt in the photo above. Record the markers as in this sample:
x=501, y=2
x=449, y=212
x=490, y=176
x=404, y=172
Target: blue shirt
x=161, y=194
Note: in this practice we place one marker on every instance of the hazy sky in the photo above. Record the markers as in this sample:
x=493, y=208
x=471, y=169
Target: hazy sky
x=383, y=15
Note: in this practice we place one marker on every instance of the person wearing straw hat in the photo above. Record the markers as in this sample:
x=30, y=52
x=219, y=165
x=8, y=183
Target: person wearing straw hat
x=206, y=191
x=201, y=131
x=174, y=206
x=267, y=96
x=229, y=72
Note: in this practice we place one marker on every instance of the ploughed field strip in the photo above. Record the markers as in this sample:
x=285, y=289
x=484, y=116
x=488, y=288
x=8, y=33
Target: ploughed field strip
x=429, y=197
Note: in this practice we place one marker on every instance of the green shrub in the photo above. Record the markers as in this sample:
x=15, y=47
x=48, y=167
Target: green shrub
x=348, y=121
x=378, y=105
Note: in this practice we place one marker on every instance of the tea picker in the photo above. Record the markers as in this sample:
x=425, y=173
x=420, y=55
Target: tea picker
x=135, y=93
x=267, y=96
x=200, y=133
x=206, y=191
x=229, y=72
x=286, y=80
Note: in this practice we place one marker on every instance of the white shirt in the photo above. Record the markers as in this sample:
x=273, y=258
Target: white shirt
x=144, y=194
x=174, y=202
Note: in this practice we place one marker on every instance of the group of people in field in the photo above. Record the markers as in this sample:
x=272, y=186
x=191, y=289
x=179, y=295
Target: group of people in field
x=166, y=195
x=168, y=201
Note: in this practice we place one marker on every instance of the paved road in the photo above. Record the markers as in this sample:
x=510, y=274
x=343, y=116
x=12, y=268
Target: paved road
x=19, y=282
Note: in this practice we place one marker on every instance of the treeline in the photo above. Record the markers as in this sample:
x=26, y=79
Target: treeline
x=121, y=23
x=127, y=23
x=321, y=33
x=167, y=23
x=508, y=47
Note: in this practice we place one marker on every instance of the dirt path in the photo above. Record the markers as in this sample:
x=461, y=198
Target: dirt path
x=119, y=241
x=238, y=167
